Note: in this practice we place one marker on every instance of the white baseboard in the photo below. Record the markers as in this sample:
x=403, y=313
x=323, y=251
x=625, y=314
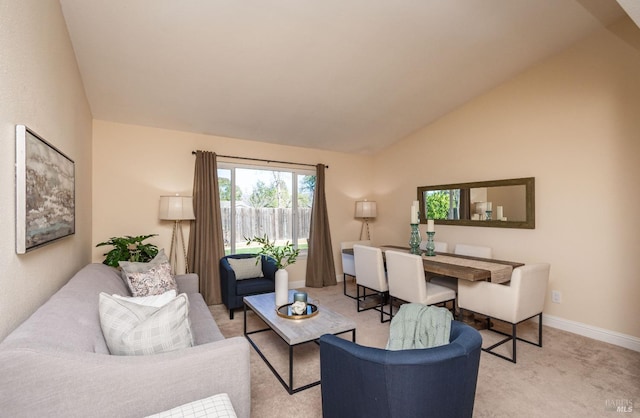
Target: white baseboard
x=600, y=334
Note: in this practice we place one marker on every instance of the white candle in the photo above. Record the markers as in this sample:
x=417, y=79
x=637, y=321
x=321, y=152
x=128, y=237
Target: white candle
x=488, y=205
x=414, y=214
x=430, y=226
x=499, y=212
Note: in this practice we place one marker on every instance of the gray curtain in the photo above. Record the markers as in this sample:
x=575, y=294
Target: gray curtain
x=320, y=268
x=206, y=246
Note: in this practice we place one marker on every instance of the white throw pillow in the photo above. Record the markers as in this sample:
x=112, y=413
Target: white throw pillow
x=133, y=329
x=152, y=278
x=153, y=300
x=246, y=268
x=218, y=406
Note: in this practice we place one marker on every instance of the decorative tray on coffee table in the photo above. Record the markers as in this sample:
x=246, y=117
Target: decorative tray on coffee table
x=285, y=311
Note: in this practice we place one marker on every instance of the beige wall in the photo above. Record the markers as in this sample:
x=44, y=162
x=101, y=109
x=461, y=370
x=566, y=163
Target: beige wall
x=134, y=165
x=572, y=122
x=40, y=87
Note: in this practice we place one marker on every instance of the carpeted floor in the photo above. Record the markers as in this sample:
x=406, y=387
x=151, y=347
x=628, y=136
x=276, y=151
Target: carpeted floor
x=569, y=376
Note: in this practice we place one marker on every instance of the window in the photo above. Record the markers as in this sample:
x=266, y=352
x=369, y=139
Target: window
x=258, y=200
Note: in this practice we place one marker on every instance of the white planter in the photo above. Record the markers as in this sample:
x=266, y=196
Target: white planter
x=282, y=287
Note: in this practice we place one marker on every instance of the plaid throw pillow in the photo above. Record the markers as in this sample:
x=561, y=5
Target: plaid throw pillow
x=133, y=329
x=218, y=406
x=153, y=300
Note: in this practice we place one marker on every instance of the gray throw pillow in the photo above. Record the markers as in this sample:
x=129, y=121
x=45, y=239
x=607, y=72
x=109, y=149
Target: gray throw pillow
x=147, y=279
x=133, y=329
x=246, y=268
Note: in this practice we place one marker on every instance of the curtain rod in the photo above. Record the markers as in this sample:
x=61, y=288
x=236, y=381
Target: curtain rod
x=263, y=160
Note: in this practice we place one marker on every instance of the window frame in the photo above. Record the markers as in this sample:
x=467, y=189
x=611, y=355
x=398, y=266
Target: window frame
x=297, y=173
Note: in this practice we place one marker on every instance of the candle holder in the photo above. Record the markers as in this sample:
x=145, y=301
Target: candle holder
x=414, y=240
x=300, y=297
x=431, y=246
x=488, y=215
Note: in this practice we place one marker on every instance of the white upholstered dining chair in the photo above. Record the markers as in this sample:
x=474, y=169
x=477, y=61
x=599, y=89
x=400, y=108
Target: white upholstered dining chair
x=440, y=247
x=407, y=282
x=473, y=250
x=517, y=302
x=370, y=275
x=348, y=262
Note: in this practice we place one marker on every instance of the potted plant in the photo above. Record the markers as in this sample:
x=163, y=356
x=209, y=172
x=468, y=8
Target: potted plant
x=129, y=248
x=283, y=255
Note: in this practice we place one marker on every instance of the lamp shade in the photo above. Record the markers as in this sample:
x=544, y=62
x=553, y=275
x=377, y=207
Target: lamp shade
x=366, y=209
x=176, y=208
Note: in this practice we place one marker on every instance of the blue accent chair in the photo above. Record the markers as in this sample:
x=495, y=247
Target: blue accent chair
x=234, y=290
x=369, y=382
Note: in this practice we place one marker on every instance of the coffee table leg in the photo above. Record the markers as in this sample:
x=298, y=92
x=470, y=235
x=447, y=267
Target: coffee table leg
x=290, y=370
x=244, y=307
x=289, y=388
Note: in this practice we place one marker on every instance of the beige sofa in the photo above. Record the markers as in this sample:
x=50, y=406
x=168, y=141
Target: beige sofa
x=56, y=364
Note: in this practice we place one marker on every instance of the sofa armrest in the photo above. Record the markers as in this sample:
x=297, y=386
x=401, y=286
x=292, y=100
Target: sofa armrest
x=227, y=282
x=188, y=283
x=40, y=382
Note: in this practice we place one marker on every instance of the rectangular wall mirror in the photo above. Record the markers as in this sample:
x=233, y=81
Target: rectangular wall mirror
x=498, y=203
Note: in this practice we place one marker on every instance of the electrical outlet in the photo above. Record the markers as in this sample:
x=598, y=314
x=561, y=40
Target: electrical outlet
x=556, y=296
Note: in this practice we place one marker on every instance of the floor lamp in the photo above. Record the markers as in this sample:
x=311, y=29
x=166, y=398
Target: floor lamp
x=177, y=209
x=365, y=210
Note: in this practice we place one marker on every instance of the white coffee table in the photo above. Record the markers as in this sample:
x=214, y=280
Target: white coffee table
x=294, y=331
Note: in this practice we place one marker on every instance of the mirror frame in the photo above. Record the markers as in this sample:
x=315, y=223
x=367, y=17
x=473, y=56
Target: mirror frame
x=528, y=182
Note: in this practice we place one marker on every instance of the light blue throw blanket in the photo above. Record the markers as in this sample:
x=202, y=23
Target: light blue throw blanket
x=419, y=326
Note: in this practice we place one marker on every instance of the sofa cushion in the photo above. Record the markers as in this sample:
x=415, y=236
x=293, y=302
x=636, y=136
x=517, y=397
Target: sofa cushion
x=69, y=321
x=246, y=268
x=133, y=329
x=146, y=279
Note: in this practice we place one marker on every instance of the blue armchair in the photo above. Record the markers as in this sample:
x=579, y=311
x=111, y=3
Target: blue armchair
x=234, y=290
x=369, y=382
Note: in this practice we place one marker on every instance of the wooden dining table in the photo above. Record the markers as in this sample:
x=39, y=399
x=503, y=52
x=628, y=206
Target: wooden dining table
x=448, y=266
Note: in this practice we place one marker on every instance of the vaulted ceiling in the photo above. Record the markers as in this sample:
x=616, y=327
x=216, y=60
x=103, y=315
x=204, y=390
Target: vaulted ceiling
x=344, y=75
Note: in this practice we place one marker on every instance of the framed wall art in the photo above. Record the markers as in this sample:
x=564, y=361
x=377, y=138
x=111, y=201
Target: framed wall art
x=45, y=192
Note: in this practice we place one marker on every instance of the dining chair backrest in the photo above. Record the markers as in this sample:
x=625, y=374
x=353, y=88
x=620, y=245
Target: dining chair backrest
x=473, y=250
x=440, y=246
x=523, y=298
x=348, y=263
x=370, y=267
x=529, y=287
x=405, y=272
